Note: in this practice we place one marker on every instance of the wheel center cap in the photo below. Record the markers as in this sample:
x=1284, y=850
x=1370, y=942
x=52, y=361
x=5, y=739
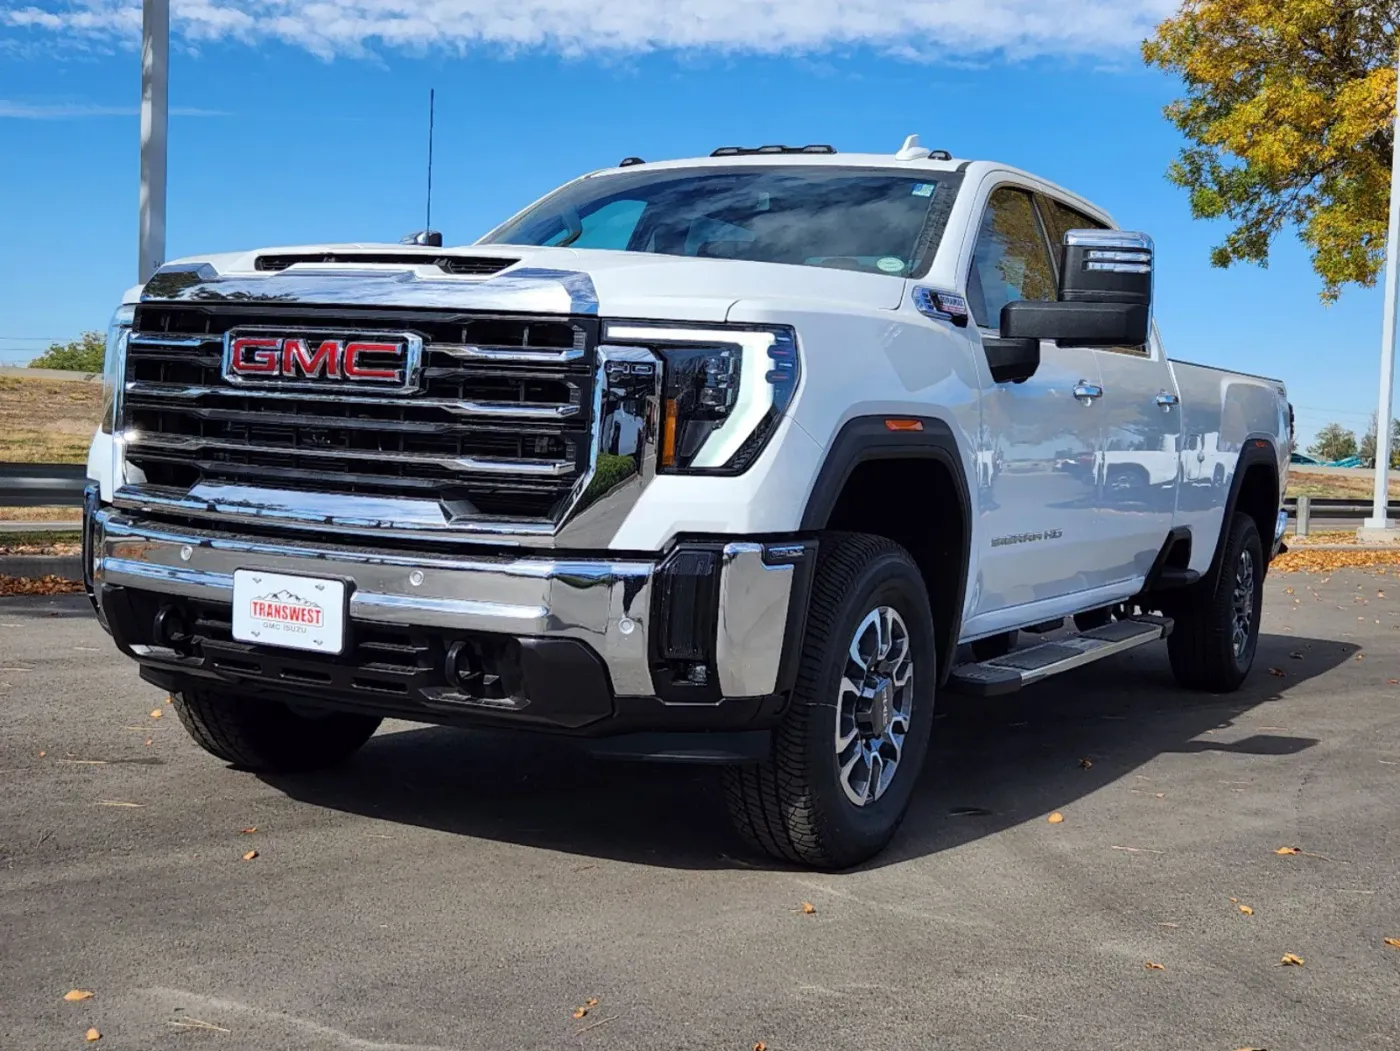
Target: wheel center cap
x=877, y=711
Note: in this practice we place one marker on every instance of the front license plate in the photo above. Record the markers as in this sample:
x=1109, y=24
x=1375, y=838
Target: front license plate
x=298, y=613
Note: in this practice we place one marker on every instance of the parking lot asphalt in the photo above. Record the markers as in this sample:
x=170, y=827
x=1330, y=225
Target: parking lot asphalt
x=454, y=890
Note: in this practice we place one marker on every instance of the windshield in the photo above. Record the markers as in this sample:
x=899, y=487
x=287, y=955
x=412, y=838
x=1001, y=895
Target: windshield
x=846, y=218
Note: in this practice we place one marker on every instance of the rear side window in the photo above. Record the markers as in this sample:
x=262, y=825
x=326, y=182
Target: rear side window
x=1011, y=260
x=1062, y=218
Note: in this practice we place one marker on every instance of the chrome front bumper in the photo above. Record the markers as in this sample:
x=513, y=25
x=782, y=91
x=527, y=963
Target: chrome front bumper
x=604, y=603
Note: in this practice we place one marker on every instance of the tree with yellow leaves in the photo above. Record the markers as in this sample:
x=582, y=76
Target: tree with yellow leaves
x=1289, y=111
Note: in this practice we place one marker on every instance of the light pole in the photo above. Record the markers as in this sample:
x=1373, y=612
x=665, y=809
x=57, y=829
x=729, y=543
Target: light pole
x=155, y=105
x=1380, y=519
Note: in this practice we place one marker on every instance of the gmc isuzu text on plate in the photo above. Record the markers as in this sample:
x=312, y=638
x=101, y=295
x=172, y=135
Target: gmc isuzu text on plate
x=735, y=460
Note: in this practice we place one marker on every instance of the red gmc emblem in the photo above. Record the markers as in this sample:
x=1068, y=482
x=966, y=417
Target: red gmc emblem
x=319, y=358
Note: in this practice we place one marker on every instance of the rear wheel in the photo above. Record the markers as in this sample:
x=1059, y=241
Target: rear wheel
x=1217, y=631
x=849, y=751
x=268, y=736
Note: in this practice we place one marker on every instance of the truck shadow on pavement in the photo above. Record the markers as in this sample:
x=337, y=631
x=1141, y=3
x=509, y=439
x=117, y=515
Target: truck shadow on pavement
x=994, y=764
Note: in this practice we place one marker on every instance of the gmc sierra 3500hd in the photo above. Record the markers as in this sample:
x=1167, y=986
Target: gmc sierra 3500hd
x=736, y=460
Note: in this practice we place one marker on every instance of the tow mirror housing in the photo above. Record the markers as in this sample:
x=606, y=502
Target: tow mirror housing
x=1105, y=295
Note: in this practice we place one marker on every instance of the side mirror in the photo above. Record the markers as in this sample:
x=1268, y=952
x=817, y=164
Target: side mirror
x=1105, y=294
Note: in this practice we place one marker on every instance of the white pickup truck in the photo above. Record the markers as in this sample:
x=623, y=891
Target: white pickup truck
x=737, y=460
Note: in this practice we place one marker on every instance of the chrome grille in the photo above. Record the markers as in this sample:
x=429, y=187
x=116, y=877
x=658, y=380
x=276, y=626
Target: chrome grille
x=501, y=428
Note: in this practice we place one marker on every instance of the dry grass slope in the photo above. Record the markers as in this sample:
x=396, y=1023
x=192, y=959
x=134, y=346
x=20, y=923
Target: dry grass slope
x=47, y=421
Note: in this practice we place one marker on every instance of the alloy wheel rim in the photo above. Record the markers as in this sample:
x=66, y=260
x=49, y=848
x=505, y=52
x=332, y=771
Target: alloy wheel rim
x=1243, y=601
x=874, y=702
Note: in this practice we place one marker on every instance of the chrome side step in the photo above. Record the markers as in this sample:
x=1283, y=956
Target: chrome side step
x=1002, y=675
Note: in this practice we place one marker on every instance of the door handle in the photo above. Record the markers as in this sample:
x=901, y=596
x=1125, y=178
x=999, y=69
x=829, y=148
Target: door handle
x=1087, y=392
x=1166, y=401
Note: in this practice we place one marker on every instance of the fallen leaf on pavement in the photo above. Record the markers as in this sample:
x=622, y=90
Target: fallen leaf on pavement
x=1290, y=960
x=156, y=713
x=580, y=1012
x=592, y=1001
x=118, y=802
x=1234, y=901
x=1289, y=850
x=1392, y=682
x=91, y=1035
x=42, y=586
x=74, y=995
x=808, y=908
x=1055, y=818
x=249, y=830
x=1277, y=673
x=760, y=1046
x=1150, y=966
x=1246, y=910
x=250, y=855
x=42, y=754
x=1086, y=763
x=1296, y=656
x=1394, y=943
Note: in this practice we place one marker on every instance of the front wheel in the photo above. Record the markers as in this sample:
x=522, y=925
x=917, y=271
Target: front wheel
x=268, y=736
x=848, y=753
x=1217, y=631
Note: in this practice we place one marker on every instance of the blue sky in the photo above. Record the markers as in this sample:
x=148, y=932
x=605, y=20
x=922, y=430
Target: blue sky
x=294, y=129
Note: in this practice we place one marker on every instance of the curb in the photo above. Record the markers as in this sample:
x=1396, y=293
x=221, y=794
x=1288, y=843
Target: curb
x=68, y=567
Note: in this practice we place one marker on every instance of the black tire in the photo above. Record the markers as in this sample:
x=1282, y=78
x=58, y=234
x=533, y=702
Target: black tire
x=1202, y=646
x=994, y=646
x=793, y=806
x=266, y=736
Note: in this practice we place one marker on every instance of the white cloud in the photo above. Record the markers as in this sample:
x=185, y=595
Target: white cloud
x=73, y=110
x=929, y=29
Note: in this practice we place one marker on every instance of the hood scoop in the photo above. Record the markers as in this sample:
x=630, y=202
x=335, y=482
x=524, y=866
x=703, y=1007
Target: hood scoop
x=462, y=266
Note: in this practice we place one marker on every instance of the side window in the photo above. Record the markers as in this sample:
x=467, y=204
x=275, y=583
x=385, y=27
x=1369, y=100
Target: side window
x=1011, y=260
x=1063, y=218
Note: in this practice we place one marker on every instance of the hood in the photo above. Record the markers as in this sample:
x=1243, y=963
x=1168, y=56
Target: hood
x=514, y=277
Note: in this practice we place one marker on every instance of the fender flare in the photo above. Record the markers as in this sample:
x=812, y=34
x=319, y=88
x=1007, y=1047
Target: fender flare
x=1259, y=449
x=866, y=438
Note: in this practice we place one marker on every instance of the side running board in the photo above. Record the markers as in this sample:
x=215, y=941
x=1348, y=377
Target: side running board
x=1002, y=675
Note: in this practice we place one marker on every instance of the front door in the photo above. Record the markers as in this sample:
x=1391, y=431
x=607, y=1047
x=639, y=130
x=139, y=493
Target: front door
x=1037, y=478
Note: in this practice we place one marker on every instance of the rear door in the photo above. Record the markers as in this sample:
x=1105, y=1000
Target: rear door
x=1140, y=416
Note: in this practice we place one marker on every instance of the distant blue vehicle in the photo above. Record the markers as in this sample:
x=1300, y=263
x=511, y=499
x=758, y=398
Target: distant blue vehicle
x=1305, y=460
x=1350, y=461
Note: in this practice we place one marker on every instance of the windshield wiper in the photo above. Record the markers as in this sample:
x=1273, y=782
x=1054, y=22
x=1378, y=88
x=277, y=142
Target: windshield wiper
x=574, y=224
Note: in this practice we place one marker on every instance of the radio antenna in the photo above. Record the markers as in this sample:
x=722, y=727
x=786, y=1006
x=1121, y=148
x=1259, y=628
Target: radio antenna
x=432, y=108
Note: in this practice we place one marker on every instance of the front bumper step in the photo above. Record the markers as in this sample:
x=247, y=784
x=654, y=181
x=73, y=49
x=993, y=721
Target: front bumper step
x=1010, y=673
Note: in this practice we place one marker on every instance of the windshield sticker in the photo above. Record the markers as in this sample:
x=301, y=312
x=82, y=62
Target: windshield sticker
x=923, y=189
x=890, y=264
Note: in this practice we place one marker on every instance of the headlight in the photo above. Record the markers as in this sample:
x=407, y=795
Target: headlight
x=723, y=392
x=114, y=364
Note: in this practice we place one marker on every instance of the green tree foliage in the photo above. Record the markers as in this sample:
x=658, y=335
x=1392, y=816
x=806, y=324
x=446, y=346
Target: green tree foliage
x=1335, y=442
x=1368, y=444
x=1289, y=116
x=84, y=354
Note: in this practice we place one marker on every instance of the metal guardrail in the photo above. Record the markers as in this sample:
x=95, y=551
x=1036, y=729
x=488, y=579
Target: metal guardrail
x=1302, y=509
x=42, y=484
